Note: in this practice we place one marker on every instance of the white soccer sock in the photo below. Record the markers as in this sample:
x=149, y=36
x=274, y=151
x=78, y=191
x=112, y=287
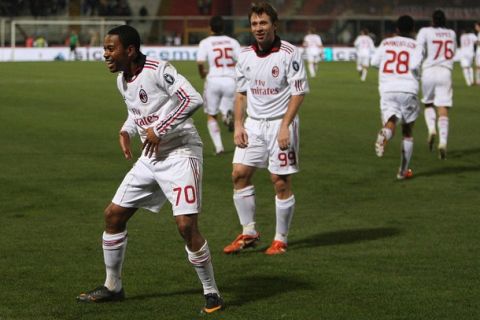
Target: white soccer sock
x=114, y=247
x=466, y=75
x=284, y=209
x=214, y=131
x=311, y=69
x=364, y=74
x=244, y=200
x=387, y=133
x=443, y=130
x=202, y=262
x=430, y=119
x=406, y=156
x=470, y=76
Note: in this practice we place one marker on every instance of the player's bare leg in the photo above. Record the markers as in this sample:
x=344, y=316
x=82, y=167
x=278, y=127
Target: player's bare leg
x=114, y=247
x=284, y=210
x=244, y=200
x=443, y=126
x=199, y=256
x=215, y=133
x=430, y=121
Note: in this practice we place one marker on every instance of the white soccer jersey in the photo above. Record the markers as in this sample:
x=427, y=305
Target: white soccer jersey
x=467, y=43
x=269, y=83
x=221, y=53
x=312, y=43
x=364, y=45
x=398, y=59
x=439, y=45
x=161, y=98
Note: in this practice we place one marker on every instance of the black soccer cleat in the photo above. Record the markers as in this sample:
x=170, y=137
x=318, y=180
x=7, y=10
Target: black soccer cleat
x=213, y=303
x=101, y=294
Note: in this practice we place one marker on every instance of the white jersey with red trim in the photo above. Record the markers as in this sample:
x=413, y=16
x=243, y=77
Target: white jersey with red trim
x=439, y=45
x=364, y=45
x=398, y=59
x=161, y=98
x=270, y=79
x=467, y=44
x=221, y=53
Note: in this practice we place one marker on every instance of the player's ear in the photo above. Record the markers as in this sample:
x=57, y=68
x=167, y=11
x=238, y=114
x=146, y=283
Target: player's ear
x=131, y=51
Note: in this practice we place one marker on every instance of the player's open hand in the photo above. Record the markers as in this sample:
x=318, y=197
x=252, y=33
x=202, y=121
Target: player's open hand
x=150, y=145
x=240, y=137
x=124, y=140
x=283, y=138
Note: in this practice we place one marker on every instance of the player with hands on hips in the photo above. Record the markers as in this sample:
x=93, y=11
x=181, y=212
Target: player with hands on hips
x=160, y=102
x=271, y=84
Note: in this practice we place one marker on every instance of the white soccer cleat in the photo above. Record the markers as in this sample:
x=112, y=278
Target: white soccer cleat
x=380, y=144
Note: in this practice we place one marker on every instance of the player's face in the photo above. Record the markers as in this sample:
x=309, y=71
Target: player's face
x=263, y=30
x=116, y=56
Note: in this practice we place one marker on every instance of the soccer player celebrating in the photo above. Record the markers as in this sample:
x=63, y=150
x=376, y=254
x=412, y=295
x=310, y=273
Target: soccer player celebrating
x=271, y=84
x=221, y=52
x=467, y=53
x=159, y=103
x=313, y=46
x=364, y=47
x=398, y=59
x=439, y=45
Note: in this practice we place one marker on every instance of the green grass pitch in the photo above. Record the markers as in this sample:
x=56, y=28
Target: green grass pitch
x=362, y=245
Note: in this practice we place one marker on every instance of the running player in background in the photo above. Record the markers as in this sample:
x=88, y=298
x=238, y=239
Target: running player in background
x=398, y=59
x=221, y=53
x=439, y=45
x=467, y=53
x=364, y=47
x=313, y=47
x=271, y=84
x=159, y=103
x=477, y=54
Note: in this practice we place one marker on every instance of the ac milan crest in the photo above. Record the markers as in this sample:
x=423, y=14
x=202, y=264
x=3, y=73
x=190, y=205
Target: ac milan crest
x=143, y=96
x=275, y=71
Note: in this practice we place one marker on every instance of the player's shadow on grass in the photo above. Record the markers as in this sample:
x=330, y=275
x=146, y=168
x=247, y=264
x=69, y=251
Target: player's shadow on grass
x=258, y=287
x=458, y=154
x=343, y=237
x=448, y=170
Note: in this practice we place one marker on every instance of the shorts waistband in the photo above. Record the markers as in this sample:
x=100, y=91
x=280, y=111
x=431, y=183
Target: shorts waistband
x=267, y=118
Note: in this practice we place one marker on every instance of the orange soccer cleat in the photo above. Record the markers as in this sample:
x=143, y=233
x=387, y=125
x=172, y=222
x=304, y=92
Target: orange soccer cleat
x=277, y=247
x=241, y=242
x=407, y=174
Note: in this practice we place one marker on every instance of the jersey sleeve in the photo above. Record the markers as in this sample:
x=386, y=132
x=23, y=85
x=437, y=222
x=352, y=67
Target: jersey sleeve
x=296, y=75
x=202, y=52
x=240, y=79
x=129, y=126
x=421, y=40
x=377, y=57
x=186, y=99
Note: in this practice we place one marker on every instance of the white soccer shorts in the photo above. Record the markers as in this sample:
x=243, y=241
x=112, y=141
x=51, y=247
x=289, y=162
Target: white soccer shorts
x=263, y=151
x=219, y=95
x=151, y=182
x=363, y=61
x=466, y=60
x=437, y=86
x=404, y=106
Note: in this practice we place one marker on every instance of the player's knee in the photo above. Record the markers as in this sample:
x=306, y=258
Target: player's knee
x=240, y=178
x=114, y=222
x=281, y=185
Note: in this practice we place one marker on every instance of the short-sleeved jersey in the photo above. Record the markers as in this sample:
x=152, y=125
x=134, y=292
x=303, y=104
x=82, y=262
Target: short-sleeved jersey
x=161, y=98
x=221, y=53
x=467, y=43
x=271, y=78
x=439, y=46
x=398, y=59
x=364, y=45
x=312, y=40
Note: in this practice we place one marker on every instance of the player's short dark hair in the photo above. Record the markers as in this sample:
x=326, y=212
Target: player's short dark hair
x=216, y=24
x=365, y=31
x=405, y=25
x=438, y=18
x=127, y=35
x=263, y=7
